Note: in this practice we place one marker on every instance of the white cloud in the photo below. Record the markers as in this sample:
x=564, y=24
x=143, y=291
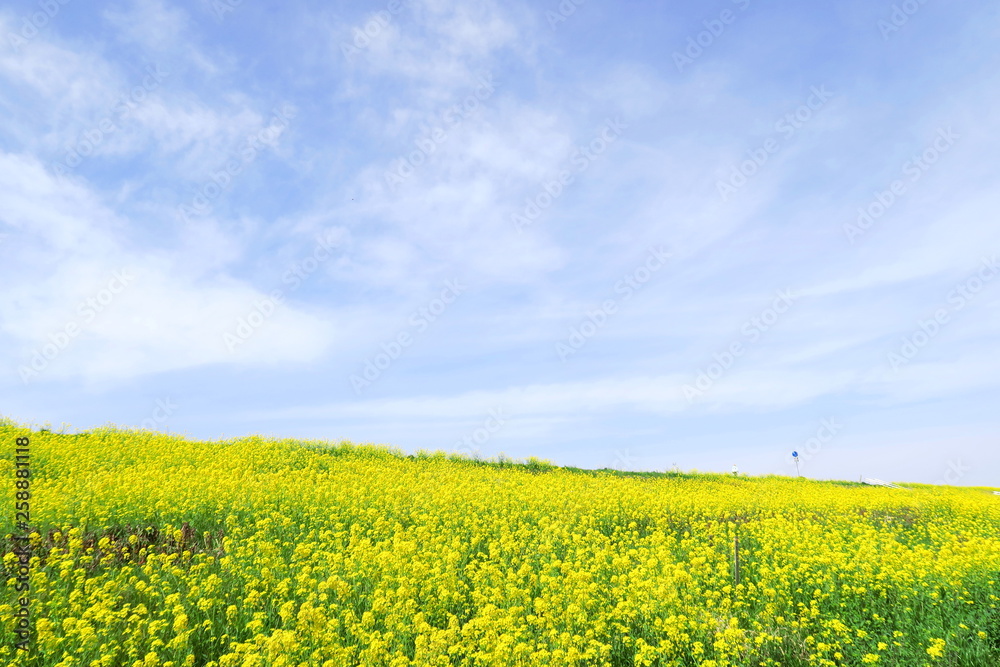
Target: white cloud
x=171, y=314
x=436, y=45
x=658, y=395
x=154, y=24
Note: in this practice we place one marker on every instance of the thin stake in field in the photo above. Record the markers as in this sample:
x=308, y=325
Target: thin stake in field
x=736, y=560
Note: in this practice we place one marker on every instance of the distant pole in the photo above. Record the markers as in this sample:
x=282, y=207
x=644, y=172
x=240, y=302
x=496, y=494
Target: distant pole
x=795, y=455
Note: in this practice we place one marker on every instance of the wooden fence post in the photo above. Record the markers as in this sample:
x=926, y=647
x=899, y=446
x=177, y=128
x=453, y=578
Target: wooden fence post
x=736, y=560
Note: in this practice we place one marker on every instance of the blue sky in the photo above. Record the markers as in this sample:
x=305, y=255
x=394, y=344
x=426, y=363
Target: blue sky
x=631, y=235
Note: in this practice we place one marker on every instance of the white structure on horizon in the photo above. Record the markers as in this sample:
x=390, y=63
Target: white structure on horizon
x=877, y=482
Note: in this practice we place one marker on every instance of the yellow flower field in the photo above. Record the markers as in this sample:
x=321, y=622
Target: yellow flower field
x=153, y=550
